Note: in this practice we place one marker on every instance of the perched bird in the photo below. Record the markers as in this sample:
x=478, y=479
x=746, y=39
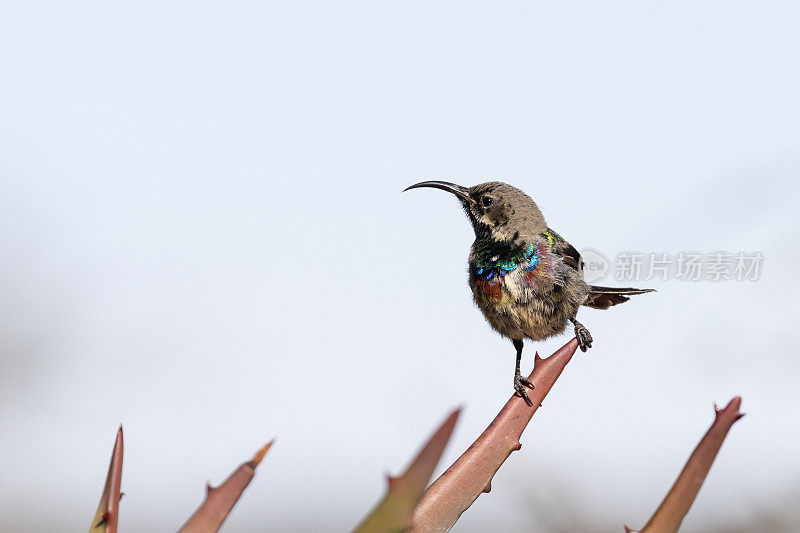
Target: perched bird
x=525, y=278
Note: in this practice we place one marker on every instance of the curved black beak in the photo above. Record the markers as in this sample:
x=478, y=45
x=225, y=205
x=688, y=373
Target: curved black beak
x=461, y=192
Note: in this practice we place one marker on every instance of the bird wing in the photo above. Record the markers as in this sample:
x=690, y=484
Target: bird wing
x=560, y=247
x=551, y=264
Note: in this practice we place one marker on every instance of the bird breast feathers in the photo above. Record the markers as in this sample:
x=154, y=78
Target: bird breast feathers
x=521, y=278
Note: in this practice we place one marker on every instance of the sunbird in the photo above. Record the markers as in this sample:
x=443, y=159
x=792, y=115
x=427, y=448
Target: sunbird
x=525, y=278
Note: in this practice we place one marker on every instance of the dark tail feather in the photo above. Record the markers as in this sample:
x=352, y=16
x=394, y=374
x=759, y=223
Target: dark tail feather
x=605, y=297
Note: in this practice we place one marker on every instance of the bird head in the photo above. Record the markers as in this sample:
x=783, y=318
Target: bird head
x=496, y=209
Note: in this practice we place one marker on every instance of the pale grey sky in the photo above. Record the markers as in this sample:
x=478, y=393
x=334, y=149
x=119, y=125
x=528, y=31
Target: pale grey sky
x=202, y=236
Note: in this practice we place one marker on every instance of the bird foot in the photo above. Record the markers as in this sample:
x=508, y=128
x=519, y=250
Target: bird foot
x=519, y=385
x=583, y=336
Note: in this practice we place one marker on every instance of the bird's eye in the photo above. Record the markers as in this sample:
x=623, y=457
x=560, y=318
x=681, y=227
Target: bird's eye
x=486, y=201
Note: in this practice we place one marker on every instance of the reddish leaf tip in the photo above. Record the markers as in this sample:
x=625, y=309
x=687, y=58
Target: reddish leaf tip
x=452, y=418
x=733, y=407
x=735, y=403
x=261, y=453
x=488, y=488
x=452, y=493
x=516, y=446
x=678, y=501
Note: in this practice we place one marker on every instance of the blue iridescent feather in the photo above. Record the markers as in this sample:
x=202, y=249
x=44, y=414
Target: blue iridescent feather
x=498, y=268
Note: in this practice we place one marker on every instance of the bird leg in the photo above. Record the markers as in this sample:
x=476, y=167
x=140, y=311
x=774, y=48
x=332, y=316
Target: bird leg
x=520, y=382
x=582, y=334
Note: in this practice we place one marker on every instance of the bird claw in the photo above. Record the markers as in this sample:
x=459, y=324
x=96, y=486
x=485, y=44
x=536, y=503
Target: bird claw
x=519, y=386
x=583, y=336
